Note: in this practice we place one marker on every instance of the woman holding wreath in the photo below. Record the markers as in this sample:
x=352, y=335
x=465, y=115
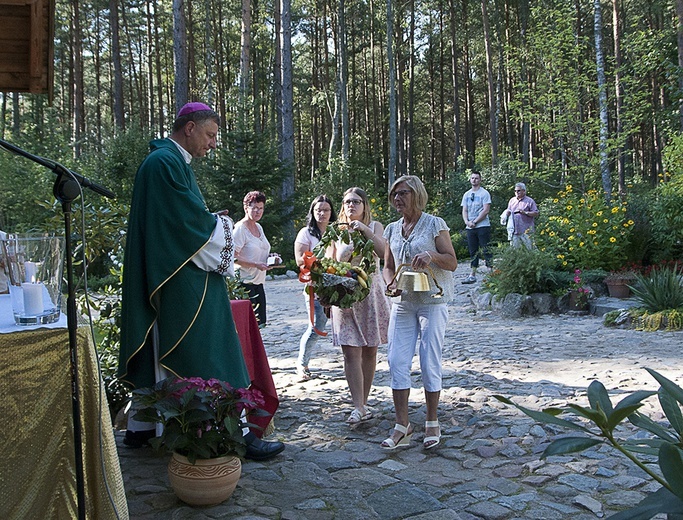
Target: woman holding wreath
x=320, y=214
x=423, y=241
x=360, y=329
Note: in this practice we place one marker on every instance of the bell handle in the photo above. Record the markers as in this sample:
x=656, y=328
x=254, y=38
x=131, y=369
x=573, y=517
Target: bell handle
x=389, y=292
x=437, y=294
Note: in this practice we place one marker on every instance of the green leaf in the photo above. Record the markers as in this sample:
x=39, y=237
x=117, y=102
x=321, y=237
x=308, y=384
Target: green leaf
x=619, y=414
x=661, y=501
x=644, y=422
x=599, y=398
x=671, y=409
x=671, y=387
x=569, y=445
x=671, y=464
x=597, y=416
x=543, y=417
x=634, y=398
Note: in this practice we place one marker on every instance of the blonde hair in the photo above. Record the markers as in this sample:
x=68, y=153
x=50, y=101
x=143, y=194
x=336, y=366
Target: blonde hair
x=419, y=200
x=366, y=217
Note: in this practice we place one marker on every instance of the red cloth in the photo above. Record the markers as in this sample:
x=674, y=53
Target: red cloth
x=256, y=360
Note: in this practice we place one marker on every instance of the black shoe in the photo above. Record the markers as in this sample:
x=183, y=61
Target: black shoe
x=261, y=450
x=138, y=439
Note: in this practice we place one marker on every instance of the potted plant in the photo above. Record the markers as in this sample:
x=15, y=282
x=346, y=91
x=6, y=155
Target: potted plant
x=618, y=282
x=202, y=427
x=578, y=293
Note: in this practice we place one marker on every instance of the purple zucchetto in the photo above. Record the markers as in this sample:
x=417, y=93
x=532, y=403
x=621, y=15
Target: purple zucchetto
x=195, y=106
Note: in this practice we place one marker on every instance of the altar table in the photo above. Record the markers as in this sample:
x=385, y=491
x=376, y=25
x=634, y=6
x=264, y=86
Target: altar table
x=256, y=360
x=37, y=469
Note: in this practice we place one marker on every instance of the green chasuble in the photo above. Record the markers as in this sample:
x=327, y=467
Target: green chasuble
x=168, y=224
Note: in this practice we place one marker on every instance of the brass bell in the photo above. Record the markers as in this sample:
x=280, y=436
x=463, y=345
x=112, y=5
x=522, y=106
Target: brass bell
x=411, y=281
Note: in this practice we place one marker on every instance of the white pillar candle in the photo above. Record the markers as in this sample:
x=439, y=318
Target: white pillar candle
x=33, y=298
x=30, y=269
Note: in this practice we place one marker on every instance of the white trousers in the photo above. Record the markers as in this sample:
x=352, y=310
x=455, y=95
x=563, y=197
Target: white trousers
x=407, y=322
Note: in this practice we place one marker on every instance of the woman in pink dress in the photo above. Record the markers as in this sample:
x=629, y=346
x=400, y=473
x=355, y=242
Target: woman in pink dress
x=360, y=329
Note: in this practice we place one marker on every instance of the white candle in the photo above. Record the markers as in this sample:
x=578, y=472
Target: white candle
x=30, y=268
x=33, y=298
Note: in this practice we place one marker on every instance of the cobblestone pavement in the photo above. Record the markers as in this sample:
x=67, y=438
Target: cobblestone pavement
x=488, y=464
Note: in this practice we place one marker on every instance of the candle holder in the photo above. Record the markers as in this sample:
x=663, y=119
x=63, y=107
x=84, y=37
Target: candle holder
x=33, y=265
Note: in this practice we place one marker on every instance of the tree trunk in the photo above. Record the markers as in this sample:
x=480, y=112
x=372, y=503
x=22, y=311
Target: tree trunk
x=679, y=14
x=493, y=120
x=619, y=95
x=245, y=54
x=343, y=86
x=602, y=102
x=469, y=95
x=79, y=105
x=182, y=92
x=454, y=20
x=119, y=120
x=391, y=173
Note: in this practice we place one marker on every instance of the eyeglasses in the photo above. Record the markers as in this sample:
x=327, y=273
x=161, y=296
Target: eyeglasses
x=401, y=193
x=517, y=191
x=355, y=202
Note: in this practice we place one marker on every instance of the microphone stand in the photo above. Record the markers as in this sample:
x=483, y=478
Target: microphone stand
x=66, y=189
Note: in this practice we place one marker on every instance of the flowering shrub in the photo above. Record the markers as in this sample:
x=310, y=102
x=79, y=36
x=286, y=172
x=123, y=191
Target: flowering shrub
x=202, y=419
x=582, y=229
x=577, y=285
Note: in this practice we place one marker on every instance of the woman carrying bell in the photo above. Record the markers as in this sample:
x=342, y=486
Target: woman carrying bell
x=423, y=241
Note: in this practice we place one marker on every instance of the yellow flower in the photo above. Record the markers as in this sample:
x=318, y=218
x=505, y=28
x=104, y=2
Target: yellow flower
x=372, y=200
x=630, y=222
x=564, y=263
x=604, y=220
x=595, y=242
x=555, y=201
x=380, y=208
x=612, y=239
x=569, y=208
x=571, y=230
x=560, y=256
x=599, y=213
x=580, y=244
x=570, y=237
x=552, y=233
x=615, y=210
x=571, y=249
x=594, y=224
x=591, y=232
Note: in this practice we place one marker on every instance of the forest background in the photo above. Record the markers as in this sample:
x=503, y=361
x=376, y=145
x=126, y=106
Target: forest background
x=582, y=100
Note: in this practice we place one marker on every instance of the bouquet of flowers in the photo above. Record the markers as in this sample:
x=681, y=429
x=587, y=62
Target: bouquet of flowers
x=340, y=283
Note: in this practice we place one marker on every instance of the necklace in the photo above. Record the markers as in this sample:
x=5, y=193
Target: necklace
x=407, y=228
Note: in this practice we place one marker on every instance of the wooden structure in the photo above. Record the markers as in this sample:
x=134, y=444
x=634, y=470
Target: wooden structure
x=27, y=46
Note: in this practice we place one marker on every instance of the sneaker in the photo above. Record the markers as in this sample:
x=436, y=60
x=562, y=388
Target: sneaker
x=470, y=279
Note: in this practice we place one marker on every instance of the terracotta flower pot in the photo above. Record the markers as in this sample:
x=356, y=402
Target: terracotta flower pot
x=207, y=482
x=618, y=289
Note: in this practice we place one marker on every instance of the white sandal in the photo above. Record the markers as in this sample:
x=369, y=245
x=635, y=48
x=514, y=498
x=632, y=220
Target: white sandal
x=390, y=444
x=432, y=440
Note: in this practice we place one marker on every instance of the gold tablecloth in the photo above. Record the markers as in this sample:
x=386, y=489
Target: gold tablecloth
x=37, y=469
